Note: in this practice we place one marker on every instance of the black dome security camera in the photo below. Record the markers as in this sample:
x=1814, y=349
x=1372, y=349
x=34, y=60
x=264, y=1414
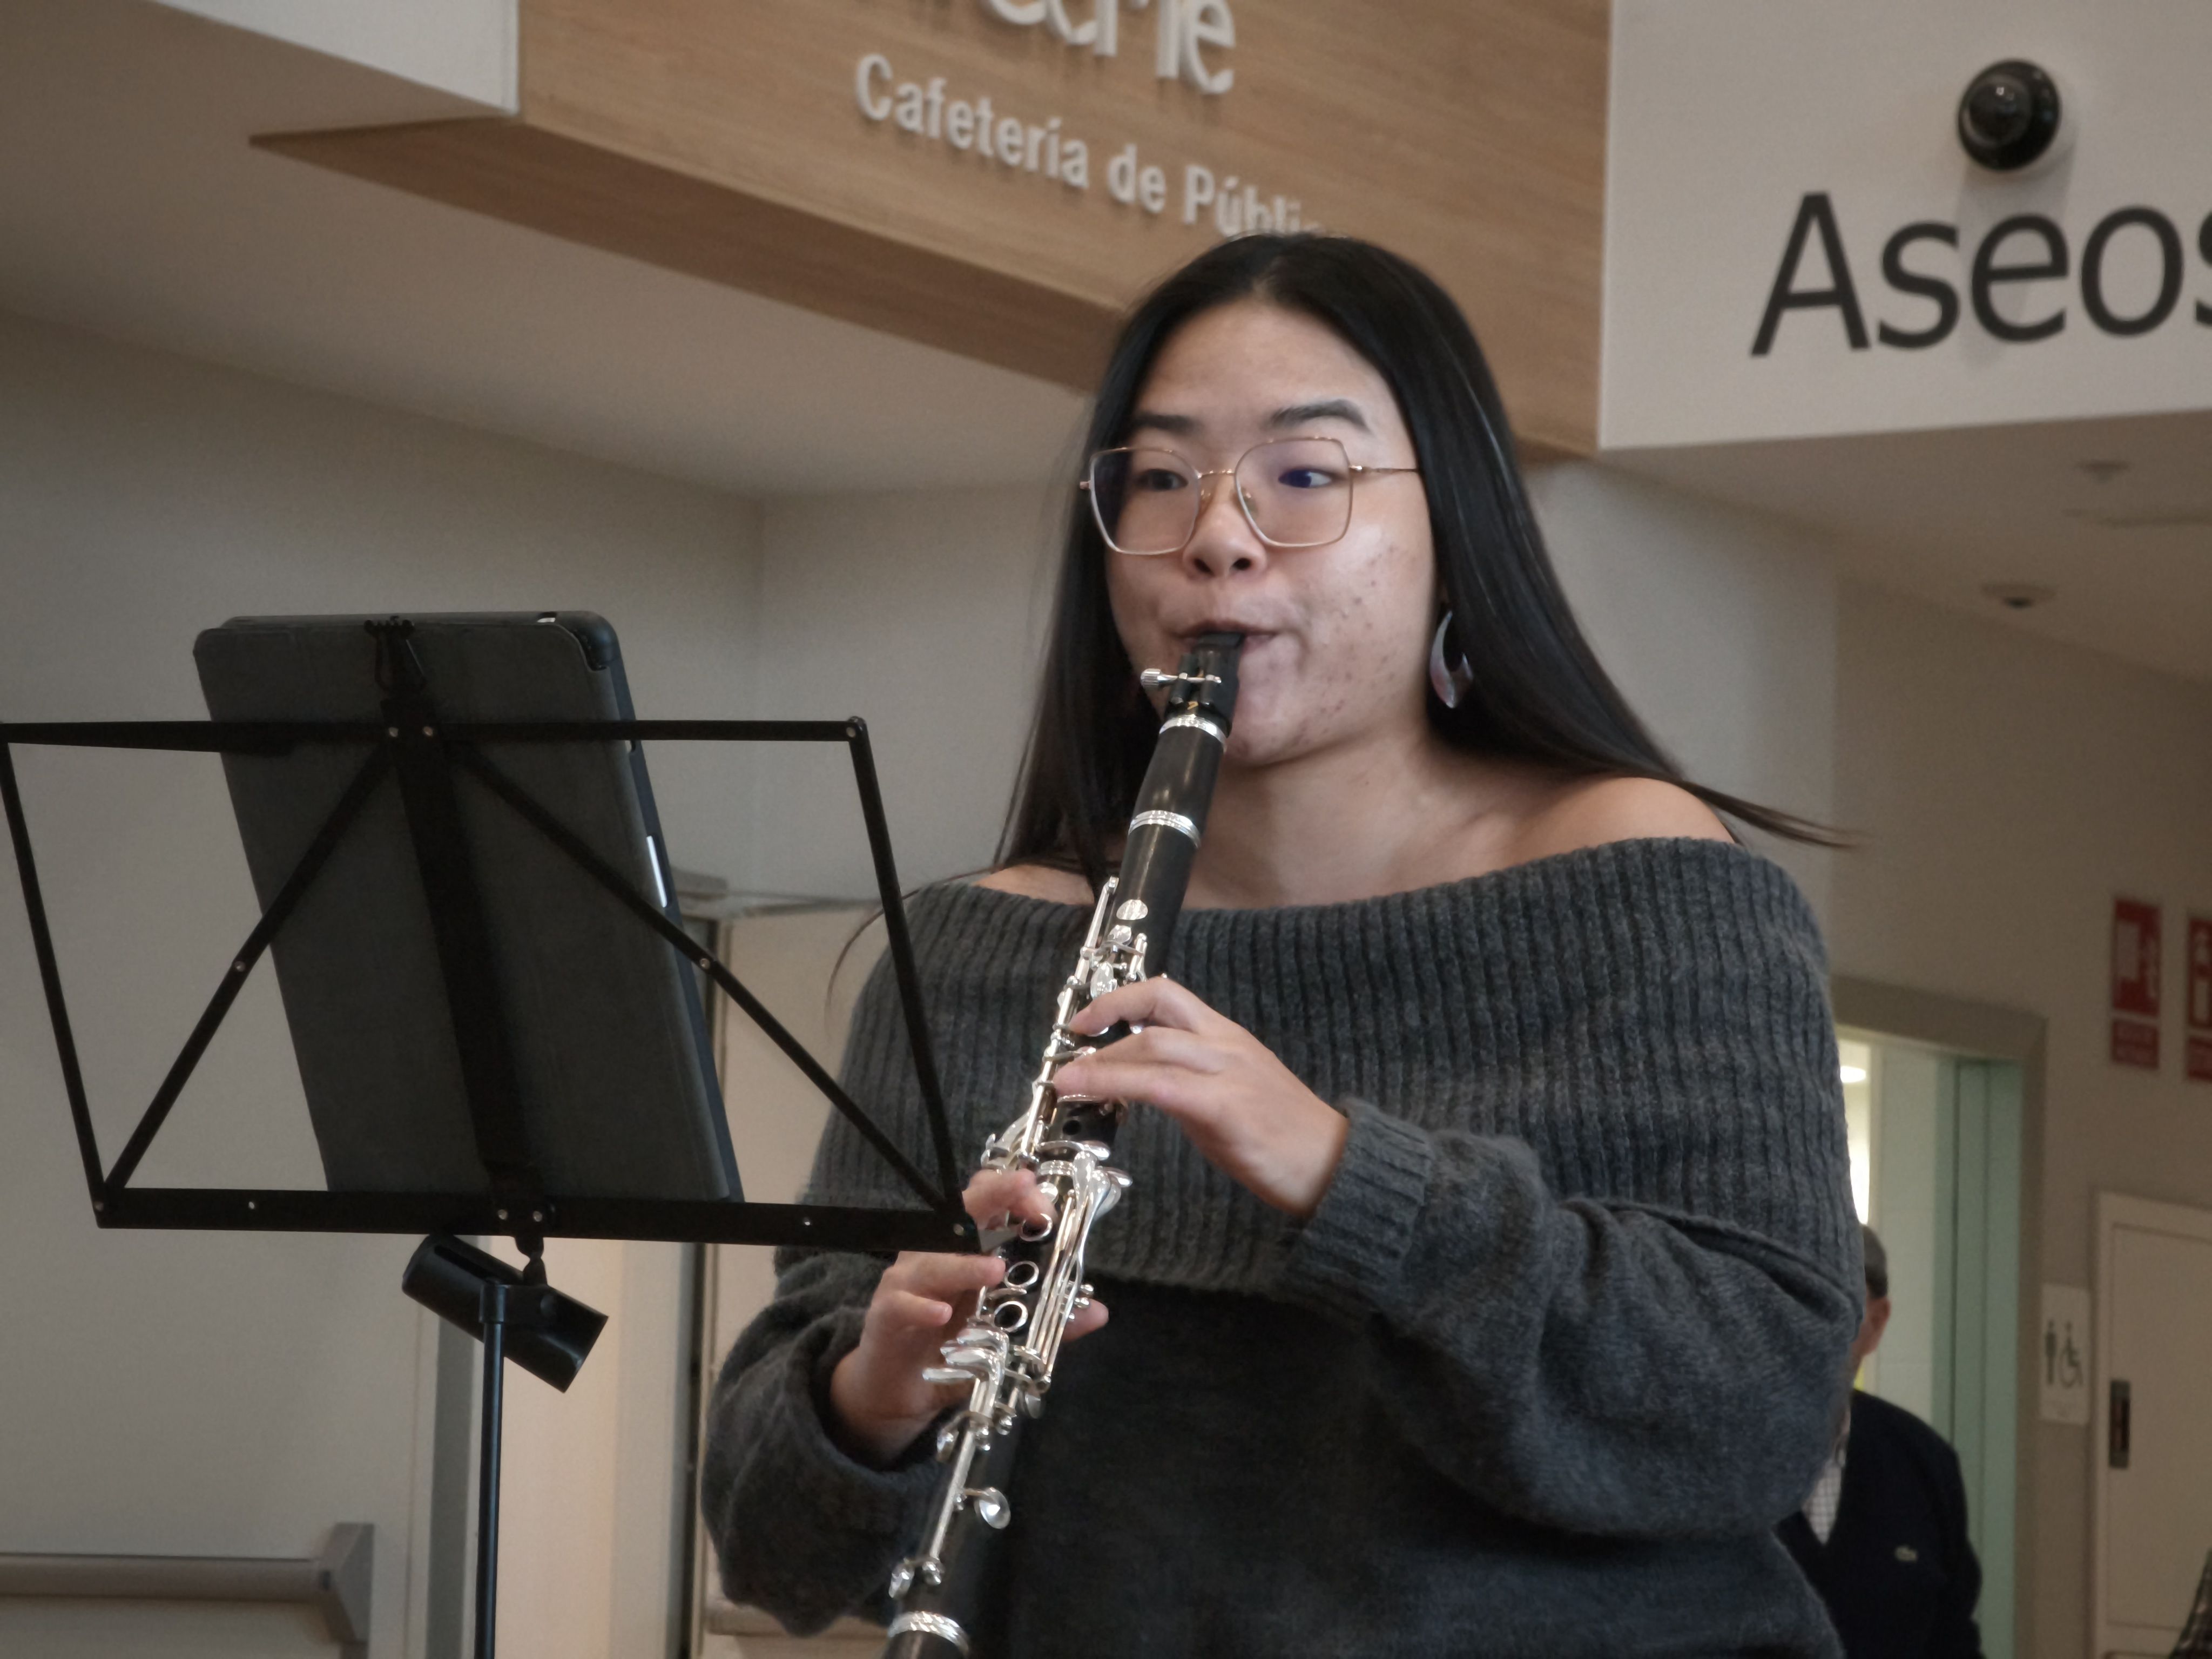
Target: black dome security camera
x=2009, y=115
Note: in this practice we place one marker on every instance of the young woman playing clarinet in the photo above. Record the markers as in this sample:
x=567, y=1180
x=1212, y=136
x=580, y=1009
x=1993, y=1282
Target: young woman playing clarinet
x=1490, y=1259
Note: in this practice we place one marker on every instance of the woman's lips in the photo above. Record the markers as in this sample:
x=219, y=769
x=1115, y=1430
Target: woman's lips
x=1252, y=636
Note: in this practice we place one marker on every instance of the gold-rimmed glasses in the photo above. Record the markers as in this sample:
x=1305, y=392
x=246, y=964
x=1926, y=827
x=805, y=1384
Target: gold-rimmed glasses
x=1294, y=492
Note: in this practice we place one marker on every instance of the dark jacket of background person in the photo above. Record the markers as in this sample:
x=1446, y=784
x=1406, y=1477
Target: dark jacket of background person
x=1897, y=1572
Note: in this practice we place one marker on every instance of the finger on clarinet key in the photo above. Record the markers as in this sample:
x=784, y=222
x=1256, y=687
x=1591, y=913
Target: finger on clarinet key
x=915, y=1312
x=994, y=1196
x=1133, y=1005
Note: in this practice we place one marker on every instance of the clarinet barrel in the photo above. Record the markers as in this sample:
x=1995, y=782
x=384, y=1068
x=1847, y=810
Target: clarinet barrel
x=1004, y=1354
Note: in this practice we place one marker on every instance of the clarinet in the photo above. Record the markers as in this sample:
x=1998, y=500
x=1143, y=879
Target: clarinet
x=1003, y=1355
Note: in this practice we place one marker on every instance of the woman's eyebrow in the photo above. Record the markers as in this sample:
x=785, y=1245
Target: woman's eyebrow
x=1159, y=420
x=1330, y=408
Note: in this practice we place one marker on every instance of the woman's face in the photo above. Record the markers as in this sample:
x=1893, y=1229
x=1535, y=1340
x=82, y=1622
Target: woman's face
x=1336, y=637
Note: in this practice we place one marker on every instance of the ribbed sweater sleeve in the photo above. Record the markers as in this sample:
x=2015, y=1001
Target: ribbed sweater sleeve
x=1597, y=1368
x=803, y=1529
x=1660, y=1353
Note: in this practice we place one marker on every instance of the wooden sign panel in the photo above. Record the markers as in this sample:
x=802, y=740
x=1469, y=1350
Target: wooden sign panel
x=1002, y=177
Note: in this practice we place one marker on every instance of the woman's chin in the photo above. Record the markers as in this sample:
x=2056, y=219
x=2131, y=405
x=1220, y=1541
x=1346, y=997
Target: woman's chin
x=1257, y=740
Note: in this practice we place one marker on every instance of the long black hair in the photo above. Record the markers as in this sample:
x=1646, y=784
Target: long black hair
x=1538, y=693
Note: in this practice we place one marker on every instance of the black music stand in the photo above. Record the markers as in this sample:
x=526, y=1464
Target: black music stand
x=433, y=765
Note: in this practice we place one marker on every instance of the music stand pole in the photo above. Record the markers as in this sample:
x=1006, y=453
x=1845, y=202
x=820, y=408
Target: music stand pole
x=488, y=1448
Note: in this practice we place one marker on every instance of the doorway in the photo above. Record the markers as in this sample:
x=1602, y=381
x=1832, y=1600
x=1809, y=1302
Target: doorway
x=2151, y=1517
x=1938, y=1143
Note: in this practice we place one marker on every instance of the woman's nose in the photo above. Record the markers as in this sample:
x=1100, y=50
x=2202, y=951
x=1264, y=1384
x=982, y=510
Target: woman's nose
x=1223, y=539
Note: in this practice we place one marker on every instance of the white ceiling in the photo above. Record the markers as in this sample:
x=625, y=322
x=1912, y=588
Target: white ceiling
x=2114, y=516
x=131, y=205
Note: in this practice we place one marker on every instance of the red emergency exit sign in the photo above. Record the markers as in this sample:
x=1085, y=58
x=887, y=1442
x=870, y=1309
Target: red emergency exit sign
x=2135, y=983
x=2135, y=958
x=2197, y=1012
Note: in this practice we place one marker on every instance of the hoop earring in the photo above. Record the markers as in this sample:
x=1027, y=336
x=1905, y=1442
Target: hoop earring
x=1449, y=681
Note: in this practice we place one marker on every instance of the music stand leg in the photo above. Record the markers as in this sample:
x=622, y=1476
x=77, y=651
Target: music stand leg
x=488, y=1436
x=516, y=1317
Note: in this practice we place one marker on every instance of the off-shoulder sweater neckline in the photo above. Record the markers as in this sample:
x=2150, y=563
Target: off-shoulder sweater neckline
x=1577, y=862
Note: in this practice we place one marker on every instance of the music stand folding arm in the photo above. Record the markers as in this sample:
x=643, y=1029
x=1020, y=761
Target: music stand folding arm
x=430, y=758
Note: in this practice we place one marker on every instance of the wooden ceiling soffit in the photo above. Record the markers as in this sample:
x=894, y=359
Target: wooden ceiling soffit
x=512, y=170
x=827, y=154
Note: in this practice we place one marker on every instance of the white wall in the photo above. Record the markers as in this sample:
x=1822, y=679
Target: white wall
x=2008, y=789
x=467, y=47
x=1725, y=113
x=923, y=613
x=215, y=1393
x=1720, y=627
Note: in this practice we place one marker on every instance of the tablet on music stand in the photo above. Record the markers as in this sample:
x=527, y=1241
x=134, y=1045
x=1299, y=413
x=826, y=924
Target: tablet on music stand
x=593, y=1027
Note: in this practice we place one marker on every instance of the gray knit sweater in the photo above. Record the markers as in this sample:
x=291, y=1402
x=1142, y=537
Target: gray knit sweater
x=1563, y=1339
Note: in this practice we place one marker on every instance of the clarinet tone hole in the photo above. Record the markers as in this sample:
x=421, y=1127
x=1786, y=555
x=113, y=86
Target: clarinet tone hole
x=1010, y=1315
x=1033, y=1230
x=1021, y=1274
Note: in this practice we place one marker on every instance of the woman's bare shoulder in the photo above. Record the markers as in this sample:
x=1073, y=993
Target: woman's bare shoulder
x=1594, y=812
x=1039, y=881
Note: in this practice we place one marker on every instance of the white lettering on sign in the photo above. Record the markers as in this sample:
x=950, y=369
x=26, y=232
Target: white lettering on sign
x=928, y=109
x=1183, y=29
x=924, y=109
x=1234, y=213
x=874, y=65
x=1129, y=184
x=1100, y=32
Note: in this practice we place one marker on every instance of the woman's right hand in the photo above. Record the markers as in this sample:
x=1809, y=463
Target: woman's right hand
x=877, y=1399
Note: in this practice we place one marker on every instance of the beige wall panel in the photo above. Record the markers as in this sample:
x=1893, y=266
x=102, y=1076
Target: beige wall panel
x=730, y=141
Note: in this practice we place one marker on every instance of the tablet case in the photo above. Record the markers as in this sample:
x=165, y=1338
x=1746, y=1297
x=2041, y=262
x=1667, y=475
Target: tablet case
x=612, y=1059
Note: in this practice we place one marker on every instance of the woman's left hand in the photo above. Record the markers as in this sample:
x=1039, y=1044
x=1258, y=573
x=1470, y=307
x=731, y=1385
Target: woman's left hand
x=1241, y=1106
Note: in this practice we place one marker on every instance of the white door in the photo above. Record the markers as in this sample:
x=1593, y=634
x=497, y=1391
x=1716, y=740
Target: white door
x=2153, y=1444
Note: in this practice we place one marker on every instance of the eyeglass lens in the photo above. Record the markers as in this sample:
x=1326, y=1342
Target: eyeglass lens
x=1296, y=492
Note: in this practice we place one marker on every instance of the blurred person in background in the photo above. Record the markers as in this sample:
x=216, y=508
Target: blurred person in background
x=1882, y=1535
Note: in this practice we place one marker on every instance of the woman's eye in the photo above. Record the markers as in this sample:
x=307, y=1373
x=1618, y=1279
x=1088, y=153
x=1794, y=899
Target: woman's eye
x=1157, y=479
x=1306, y=477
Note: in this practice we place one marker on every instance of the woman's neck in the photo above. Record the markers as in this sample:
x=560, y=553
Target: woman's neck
x=1357, y=821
